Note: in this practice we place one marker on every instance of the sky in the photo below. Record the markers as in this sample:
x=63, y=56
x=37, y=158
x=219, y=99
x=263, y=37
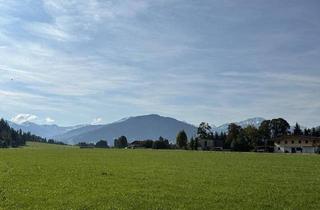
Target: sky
x=91, y=61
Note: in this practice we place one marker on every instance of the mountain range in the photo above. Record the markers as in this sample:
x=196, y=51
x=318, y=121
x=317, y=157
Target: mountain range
x=46, y=131
x=245, y=123
x=134, y=128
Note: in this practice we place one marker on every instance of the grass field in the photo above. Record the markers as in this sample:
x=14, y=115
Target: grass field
x=42, y=176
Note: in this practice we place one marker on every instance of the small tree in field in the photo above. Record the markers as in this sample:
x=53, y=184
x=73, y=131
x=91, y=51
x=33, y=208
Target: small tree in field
x=182, y=139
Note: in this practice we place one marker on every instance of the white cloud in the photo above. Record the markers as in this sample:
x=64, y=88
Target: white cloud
x=49, y=120
x=21, y=118
x=96, y=121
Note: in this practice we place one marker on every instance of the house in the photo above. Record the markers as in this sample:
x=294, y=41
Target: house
x=136, y=144
x=294, y=144
x=210, y=144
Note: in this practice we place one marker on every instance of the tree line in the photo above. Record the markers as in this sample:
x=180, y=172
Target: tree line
x=161, y=143
x=12, y=138
x=99, y=144
x=245, y=139
x=204, y=131
x=249, y=138
x=314, y=132
x=236, y=138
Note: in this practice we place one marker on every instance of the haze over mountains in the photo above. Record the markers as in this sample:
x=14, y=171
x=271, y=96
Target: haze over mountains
x=134, y=128
x=46, y=131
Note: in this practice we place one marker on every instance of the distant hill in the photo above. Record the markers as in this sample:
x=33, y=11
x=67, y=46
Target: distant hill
x=134, y=128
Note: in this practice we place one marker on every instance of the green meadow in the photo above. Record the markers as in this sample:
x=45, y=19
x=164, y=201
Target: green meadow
x=42, y=176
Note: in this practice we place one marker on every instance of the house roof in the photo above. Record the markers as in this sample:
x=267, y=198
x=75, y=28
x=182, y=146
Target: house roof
x=292, y=138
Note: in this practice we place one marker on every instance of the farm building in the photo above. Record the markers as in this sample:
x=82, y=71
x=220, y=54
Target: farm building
x=300, y=144
x=210, y=144
x=136, y=144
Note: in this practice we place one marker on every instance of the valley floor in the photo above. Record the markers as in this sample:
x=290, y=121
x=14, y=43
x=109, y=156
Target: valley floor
x=41, y=176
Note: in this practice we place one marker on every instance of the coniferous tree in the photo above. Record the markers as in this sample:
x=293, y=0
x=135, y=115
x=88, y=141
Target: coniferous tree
x=306, y=132
x=12, y=138
x=196, y=143
x=297, y=130
x=313, y=132
x=182, y=139
x=192, y=143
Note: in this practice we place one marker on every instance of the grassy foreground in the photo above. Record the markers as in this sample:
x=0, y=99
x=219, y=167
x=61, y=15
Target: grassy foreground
x=42, y=176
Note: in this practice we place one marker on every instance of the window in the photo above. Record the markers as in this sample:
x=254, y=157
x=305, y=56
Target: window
x=292, y=142
x=307, y=141
x=299, y=142
x=286, y=142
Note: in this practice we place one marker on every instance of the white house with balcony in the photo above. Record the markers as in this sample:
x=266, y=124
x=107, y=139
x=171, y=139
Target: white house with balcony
x=297, y=144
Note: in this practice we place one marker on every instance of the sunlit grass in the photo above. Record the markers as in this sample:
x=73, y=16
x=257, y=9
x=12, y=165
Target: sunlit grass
x=42, y=176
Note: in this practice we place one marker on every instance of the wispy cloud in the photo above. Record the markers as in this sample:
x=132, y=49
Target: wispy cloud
x=212, y=61
x=49, y=31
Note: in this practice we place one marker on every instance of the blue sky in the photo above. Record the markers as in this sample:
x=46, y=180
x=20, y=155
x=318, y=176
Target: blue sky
x=91, y=61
